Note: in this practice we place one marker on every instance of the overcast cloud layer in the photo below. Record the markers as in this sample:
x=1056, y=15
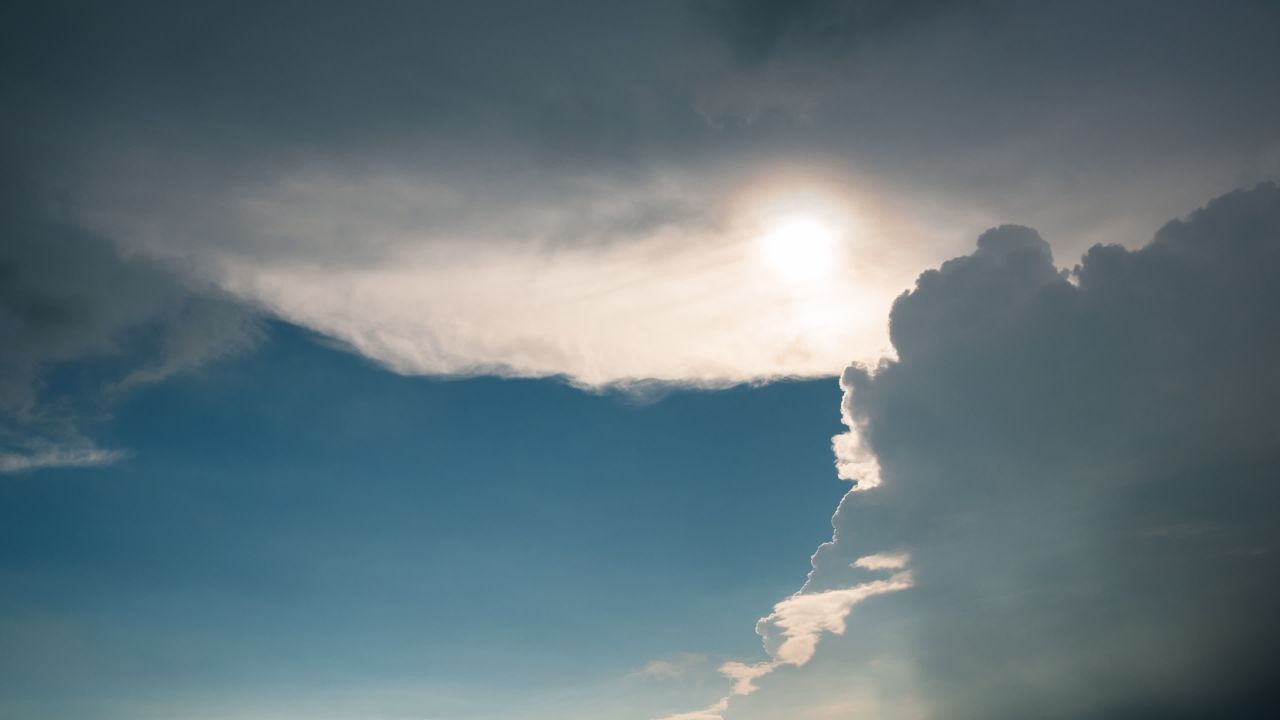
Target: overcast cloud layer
x=574, y=189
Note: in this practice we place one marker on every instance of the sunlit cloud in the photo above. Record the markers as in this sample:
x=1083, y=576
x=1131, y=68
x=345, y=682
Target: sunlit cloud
x=791, y=632
x=883, y=561
x=744, y=675
x=53, y=456
x=797, y=623
x=618, y=286
x=799, y=248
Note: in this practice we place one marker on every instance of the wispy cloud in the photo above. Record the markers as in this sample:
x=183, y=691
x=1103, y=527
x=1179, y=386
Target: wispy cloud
x=55, y=457
x=791, y=632
x=673, y=668
x=744, y=675
x=801, y=620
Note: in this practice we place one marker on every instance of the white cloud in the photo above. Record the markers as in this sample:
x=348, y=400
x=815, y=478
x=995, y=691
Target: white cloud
x=797, y=624
x=541, y=285
x=744, y=675
x=883, y=561
x=792, y=631
x=673, y=668
x=54, y=457
x=854, y=462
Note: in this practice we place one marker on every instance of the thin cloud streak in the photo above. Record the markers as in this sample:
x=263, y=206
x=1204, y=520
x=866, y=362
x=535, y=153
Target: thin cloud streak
x=791, y=632
x=58, y=457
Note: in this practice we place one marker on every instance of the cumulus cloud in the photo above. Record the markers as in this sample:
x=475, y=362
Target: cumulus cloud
x=854, y=460
x=1078, y=467
x=1082, y=466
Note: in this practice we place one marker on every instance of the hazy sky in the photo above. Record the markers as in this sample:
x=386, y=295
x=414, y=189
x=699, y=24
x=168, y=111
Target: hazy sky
x=485, y=360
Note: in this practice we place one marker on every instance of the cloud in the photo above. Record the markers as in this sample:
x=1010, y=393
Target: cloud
x=883, y=561
x=744, y=675
x=756, y=29
x=680, y=309
x=53, y=456
x=557, y=198
x=1079, y=468
x=792, y=631
x=796, y=624
x=68, y=296
x=854, y=460
x=1081, y=465
x=203, y=330
x=674, y=668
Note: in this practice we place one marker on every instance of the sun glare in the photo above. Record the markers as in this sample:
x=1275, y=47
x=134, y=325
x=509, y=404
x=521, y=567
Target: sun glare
x=798, y=248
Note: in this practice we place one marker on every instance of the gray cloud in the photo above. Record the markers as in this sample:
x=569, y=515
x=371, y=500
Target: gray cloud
x=68, y=296
x=1086, y=120
x=1082, y=468
x=285, y=156
x=756, y=30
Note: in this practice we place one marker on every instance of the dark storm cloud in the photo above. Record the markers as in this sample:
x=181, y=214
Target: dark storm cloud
x=1083, y=466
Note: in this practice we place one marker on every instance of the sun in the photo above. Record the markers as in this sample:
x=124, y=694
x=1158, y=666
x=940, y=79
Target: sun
x=798, y=248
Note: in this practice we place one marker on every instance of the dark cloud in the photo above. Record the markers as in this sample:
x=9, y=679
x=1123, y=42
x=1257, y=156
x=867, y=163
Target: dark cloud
x=528, y=102
x=1083, y=466
x=1046, y=114
x=754, y=29
x=68, y=296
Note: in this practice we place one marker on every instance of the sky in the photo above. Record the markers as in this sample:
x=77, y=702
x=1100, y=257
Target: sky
x=697, y=360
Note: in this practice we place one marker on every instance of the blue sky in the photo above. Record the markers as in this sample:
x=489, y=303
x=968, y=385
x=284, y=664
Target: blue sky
x=299, y=517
